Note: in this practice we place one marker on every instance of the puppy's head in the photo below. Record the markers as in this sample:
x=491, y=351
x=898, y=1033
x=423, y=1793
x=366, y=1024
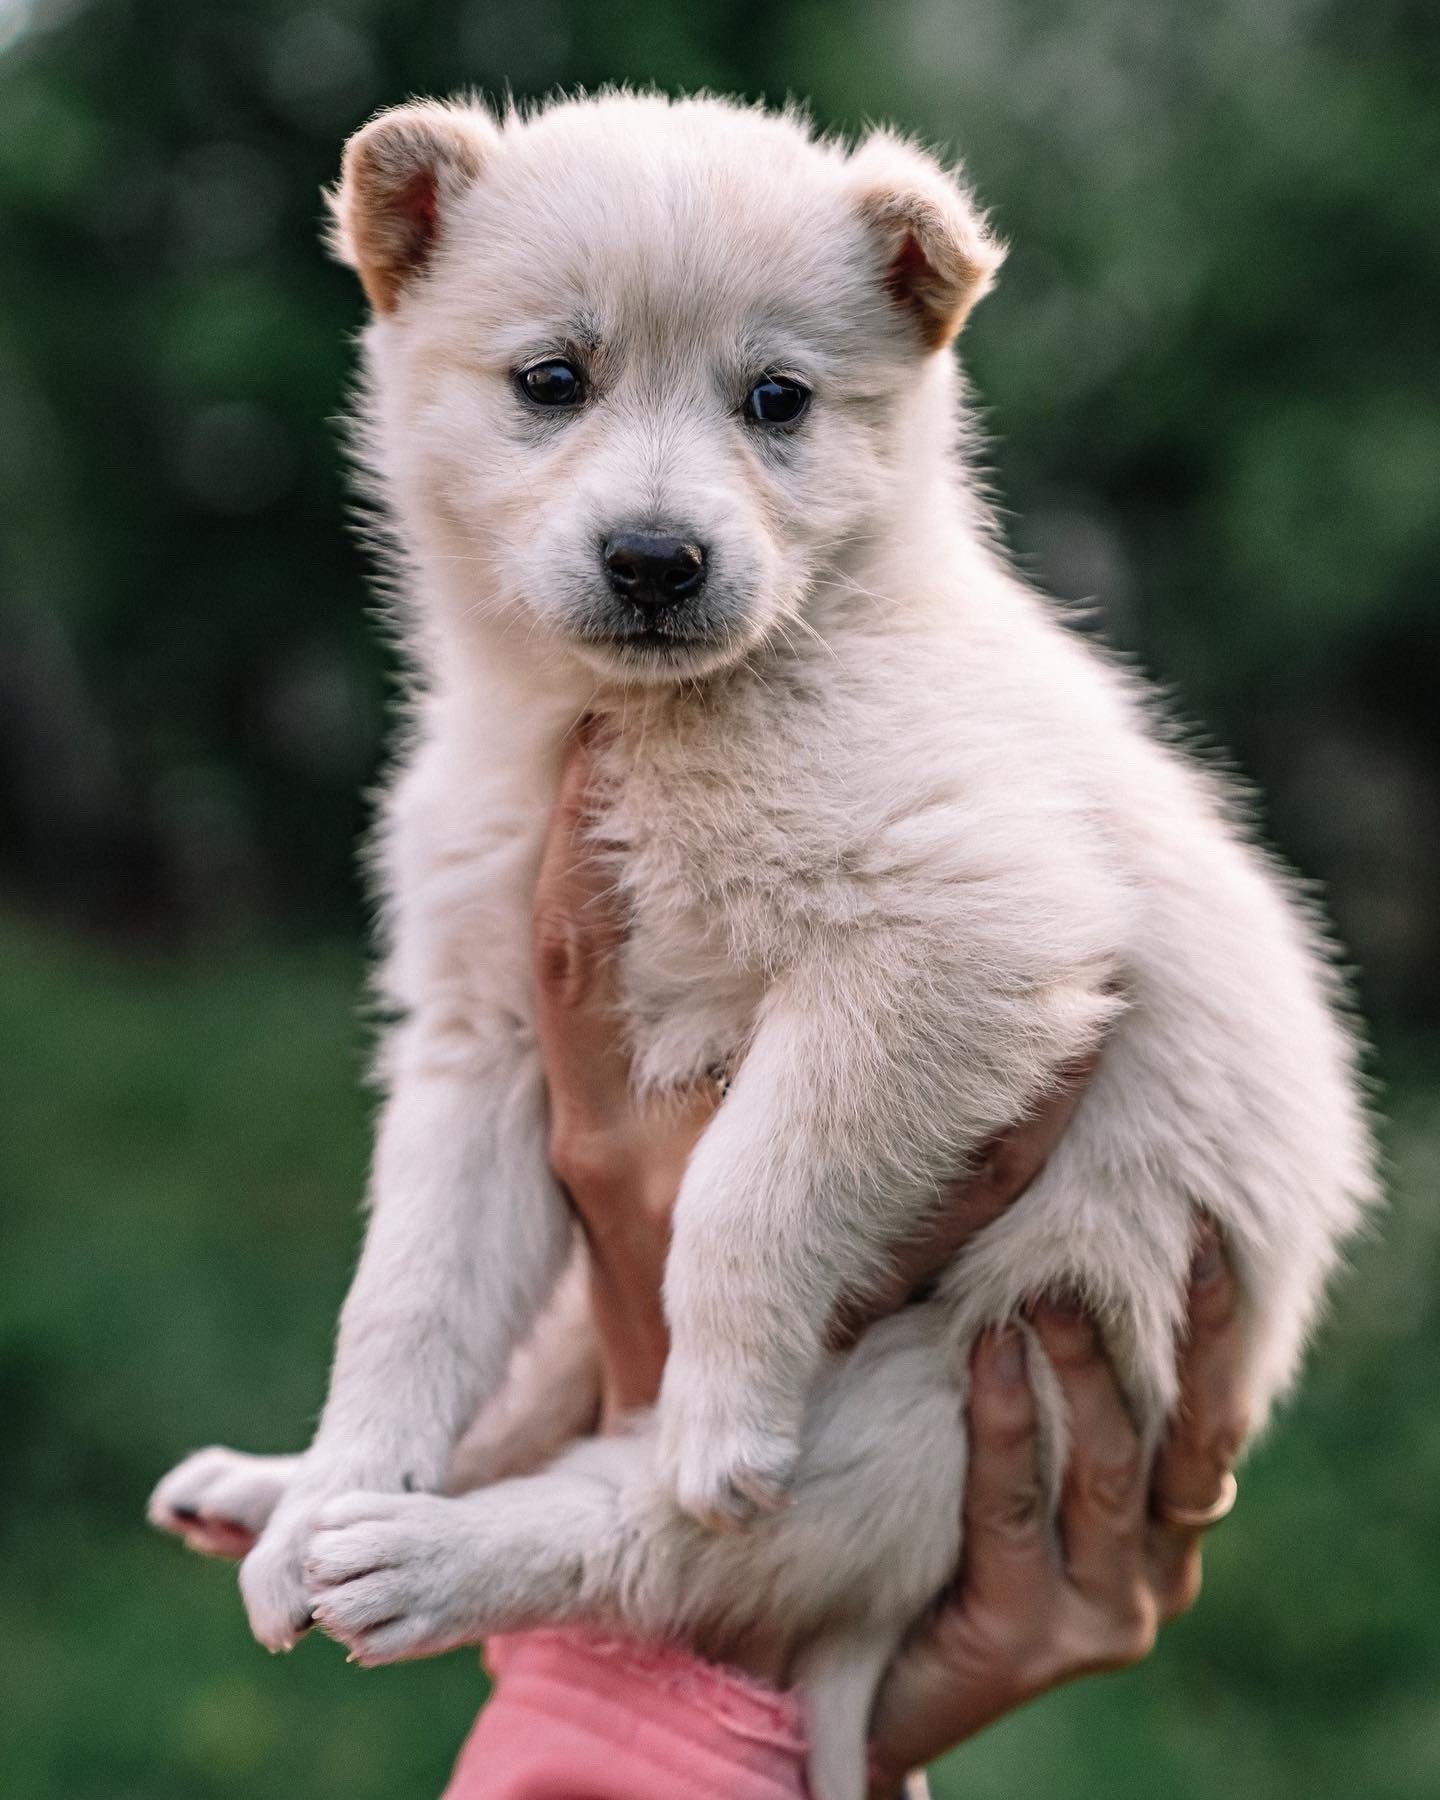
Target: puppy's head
x=643, y=371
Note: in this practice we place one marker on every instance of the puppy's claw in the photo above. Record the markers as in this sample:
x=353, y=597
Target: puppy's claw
x=273, y=1587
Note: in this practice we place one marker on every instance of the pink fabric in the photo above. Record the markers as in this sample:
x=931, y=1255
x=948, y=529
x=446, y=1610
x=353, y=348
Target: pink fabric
x=580, y=1716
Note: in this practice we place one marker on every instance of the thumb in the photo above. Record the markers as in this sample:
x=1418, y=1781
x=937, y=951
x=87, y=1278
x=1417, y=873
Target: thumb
x=577, y=935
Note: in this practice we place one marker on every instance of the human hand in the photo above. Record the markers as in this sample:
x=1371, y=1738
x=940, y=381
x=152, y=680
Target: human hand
x=1029, y=1613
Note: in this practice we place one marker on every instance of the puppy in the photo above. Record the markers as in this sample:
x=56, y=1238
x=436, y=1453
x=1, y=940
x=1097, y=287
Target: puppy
x=660, y=419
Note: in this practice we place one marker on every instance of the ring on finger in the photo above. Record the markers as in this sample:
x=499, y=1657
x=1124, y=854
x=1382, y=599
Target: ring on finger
x=1200, y=1518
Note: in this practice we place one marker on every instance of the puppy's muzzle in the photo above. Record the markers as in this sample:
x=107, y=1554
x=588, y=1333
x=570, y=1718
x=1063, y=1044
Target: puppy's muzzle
x=652, y=569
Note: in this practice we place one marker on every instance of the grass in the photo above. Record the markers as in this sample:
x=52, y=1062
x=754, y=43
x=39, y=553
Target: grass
x=181, y=1156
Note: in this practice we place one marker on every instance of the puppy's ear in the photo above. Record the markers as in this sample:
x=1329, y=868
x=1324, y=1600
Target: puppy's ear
x=399, y=175
x=937, y=255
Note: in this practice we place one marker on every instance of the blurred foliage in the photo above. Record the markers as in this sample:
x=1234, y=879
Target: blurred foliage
x=1211, y=366
x=1211, y=372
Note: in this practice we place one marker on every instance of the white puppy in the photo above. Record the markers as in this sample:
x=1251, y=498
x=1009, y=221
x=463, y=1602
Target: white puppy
x=661, y=419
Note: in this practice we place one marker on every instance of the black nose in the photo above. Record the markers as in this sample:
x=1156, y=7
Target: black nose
x=652, y=569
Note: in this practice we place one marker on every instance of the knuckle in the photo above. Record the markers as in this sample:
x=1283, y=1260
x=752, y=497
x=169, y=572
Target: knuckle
x=582, y=1159
x=1211, y=1432
x=1139, y=1641
x=1068, y=1333
x=1006, y=1167
x=1213, y=1449
x=1222, y=1444
x=1016, y=1517
x=560, y=955
x=1003, y=1419
x=1135, y=1628
x=1112, y=1485
x=1182, y=1590
x=1215, y=1304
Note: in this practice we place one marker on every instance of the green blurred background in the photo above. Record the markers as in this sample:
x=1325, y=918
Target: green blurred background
x=1213, y=378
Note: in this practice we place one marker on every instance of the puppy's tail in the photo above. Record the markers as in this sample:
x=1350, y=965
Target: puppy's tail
x=838, y=1678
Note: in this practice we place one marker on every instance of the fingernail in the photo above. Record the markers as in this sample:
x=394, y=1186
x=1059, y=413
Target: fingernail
x=1008, y=1359
x=1209, y=1258
x=1066, y=1325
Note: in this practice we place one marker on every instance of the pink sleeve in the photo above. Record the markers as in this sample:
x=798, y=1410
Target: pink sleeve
x=579, y=1716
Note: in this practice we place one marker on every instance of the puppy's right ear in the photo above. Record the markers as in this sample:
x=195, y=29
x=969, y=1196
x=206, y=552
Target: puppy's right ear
x=400, y=174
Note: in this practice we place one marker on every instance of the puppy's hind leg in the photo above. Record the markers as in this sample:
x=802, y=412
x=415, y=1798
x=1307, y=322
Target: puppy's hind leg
x=597, y=1539
x=550, y=1397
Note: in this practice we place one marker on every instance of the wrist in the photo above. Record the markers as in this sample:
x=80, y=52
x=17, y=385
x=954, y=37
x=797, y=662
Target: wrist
x=339, y=1462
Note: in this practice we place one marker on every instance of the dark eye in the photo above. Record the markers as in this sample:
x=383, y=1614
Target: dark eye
x=777, y=400
x=553, y=382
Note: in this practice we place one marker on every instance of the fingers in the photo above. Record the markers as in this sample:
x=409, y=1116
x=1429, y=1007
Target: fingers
x=1104, y=1498
x=971, y=1663
x=1210, y=1425
x=1021, y=1620
x=577, y=935
x=620, y=1160
x=1007, y=1565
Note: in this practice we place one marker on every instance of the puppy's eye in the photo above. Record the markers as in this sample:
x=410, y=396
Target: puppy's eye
x=553, y=382
x=777, y=400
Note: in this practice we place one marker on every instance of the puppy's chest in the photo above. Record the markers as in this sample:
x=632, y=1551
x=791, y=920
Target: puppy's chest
x=725, y=880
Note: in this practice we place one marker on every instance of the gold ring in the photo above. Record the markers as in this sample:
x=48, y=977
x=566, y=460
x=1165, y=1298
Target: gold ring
x=1201, y=1518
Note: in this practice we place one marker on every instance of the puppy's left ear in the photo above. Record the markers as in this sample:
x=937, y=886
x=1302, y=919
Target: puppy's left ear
x=402, y=174
x=936, y=253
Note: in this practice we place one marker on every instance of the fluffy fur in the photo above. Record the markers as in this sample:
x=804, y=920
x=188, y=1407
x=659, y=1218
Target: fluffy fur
x=894, y=845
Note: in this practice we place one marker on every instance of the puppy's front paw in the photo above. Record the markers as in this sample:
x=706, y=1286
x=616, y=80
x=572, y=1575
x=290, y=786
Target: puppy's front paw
x=724, y=1453
x=219, y=1501
x=272, y=1581
x=397, y=1576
